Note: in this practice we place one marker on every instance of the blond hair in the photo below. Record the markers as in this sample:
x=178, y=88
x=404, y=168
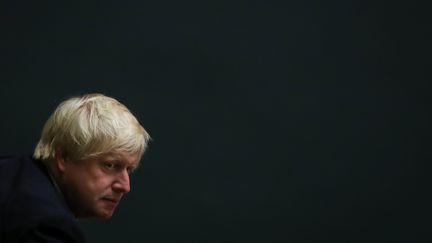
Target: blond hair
x=88, y=126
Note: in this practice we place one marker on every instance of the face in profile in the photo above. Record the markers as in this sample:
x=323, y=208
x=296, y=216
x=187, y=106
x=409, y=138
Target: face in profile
x=94, y=187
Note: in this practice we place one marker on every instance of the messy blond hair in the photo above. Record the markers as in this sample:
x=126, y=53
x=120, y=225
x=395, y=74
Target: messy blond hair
x=90, y=125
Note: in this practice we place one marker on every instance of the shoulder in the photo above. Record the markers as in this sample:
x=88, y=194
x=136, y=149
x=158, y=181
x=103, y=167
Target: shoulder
x=48, y=229
x=23, y=177
x=33, y=210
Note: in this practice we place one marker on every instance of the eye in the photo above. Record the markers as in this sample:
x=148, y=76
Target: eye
x=130, y=170
x=108, y=165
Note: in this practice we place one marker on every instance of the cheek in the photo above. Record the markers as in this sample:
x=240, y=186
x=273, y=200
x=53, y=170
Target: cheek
x=88, y=182
x=85, y=184
x=99, y=184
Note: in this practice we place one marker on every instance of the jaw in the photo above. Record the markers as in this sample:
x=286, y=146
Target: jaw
x=104, y=208
x=98, y=208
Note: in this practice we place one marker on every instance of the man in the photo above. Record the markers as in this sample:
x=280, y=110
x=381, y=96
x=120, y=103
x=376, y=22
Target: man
x=80, y=168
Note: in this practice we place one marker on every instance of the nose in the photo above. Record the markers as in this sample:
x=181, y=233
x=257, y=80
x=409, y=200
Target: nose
x=122, y=183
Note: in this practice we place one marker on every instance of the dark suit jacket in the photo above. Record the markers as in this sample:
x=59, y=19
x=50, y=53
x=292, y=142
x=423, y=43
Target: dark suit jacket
x=31, y=208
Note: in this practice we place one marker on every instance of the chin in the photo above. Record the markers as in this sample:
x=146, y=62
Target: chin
x=105, y=215
x=98, y=214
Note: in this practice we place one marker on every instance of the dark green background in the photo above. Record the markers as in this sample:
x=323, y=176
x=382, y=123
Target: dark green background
x=272, y=121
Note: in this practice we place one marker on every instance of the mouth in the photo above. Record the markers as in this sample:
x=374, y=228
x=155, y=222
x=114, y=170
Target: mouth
x=111, y=201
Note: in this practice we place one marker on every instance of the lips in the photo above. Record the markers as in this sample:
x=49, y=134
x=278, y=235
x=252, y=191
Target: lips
x=112, y=201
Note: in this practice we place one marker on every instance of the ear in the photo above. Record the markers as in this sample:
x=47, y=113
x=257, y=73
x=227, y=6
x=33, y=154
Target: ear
x=60, y=161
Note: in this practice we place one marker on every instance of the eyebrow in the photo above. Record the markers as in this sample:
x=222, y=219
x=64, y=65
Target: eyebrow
x=120, y=160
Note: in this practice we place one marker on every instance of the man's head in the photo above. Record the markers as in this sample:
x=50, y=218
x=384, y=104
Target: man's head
x=90, y=144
